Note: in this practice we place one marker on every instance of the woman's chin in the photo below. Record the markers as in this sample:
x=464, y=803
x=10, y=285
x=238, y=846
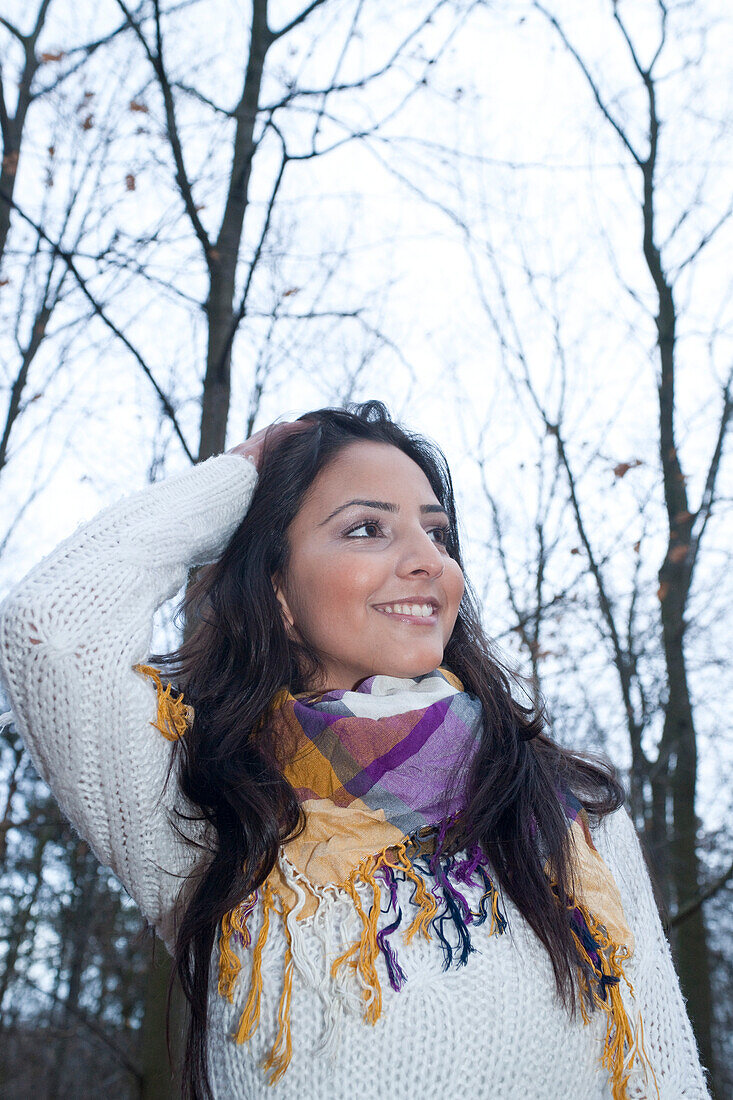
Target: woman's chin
x=405, y=670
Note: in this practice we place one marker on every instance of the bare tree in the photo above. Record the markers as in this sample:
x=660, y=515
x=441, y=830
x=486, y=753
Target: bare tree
x=670, y=815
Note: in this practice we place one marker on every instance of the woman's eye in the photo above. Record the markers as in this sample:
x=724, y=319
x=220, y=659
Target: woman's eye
x=367, y=523
x=443, y=530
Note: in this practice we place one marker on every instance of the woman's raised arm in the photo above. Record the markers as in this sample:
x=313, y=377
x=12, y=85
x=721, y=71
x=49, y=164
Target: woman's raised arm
x=70, y=633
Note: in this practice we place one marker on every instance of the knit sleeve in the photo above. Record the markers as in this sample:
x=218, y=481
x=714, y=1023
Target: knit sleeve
x=70, y=633
x=667, y=1034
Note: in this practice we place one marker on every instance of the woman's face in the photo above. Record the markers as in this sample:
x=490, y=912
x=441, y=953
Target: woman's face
x=350, y=561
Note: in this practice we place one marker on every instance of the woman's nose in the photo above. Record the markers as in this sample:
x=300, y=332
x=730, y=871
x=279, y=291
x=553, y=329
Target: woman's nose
x=423, y=556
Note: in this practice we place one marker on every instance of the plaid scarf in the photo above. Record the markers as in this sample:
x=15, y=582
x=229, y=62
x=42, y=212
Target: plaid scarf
x=380, y=772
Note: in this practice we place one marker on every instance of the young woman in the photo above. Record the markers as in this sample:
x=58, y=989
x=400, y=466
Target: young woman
x=377, y=873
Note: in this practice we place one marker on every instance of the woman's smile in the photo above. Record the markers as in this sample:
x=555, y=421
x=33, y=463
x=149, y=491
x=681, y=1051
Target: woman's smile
x=406, y=617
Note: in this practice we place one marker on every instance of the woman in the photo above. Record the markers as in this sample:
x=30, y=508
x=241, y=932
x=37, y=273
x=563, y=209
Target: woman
x=377, y=873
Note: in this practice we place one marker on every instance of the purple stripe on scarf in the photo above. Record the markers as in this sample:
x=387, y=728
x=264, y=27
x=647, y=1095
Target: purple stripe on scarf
x=422, y=782
x=422, y=732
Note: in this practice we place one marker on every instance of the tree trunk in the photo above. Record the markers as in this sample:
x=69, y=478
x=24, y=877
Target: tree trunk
x=22, y=922
x=159, y=1081
x=11, y=127
x=224, y=257
x=84, y=869
x=690, y=938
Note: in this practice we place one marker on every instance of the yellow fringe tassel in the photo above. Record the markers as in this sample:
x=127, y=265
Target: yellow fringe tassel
x=584, y=992
x=337, y=963
x=644, y=1056
x=423, y=897
x=620, y=1048
x=229, y=963
x=494, y=909
x=251, y=1014
x=174, y=716
x=368, y=946
x=282, y=1048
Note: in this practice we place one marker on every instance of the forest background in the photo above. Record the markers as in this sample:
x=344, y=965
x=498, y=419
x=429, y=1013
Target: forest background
x=510, y=221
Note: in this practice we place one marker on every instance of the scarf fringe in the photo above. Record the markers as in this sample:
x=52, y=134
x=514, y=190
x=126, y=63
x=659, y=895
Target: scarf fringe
x=251, y=1014
x=376, y=874
x=233, y=925
x=174, y=716
x=282, y=1049
x=599, y=975
x=623, y=1045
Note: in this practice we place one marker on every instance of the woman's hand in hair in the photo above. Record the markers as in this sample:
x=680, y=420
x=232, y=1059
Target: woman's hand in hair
x=252, y=447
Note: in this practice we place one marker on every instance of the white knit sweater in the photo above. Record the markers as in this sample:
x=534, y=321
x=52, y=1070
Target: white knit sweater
x=70, y=633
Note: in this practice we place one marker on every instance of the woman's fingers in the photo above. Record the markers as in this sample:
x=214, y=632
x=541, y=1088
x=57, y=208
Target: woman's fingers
x=252, y=447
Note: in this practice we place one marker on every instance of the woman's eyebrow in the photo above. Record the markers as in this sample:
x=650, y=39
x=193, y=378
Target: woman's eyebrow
x=384, y=505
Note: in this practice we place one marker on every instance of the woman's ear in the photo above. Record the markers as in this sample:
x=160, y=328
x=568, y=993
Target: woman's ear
x=281, y=599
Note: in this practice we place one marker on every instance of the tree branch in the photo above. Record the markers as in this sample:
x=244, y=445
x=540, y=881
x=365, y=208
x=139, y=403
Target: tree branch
x=99, y=311
x=705, y=239
x=298, y=19
x=297, y=93
x=591, y=82
x=240, y=310
x=88, y=48
x=4, y=116
x=182, y=178
x=40, y=20
x=22, y=38
x=708, y=495
x=692, y=906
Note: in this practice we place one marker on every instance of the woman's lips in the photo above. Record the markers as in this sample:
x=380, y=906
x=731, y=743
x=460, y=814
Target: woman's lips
x=419, y=620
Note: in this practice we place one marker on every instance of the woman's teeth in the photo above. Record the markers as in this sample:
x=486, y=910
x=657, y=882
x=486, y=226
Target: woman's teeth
x=419, y=610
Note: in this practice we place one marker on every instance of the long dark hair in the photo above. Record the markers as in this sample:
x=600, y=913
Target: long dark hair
x=237, y=654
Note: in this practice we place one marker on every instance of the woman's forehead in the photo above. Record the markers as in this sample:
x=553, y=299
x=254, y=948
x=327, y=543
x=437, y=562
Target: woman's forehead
x=370, y=470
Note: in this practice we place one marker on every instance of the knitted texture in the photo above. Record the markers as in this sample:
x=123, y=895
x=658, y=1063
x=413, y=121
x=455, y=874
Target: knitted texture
x=70, y=634
x=492, y=1028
